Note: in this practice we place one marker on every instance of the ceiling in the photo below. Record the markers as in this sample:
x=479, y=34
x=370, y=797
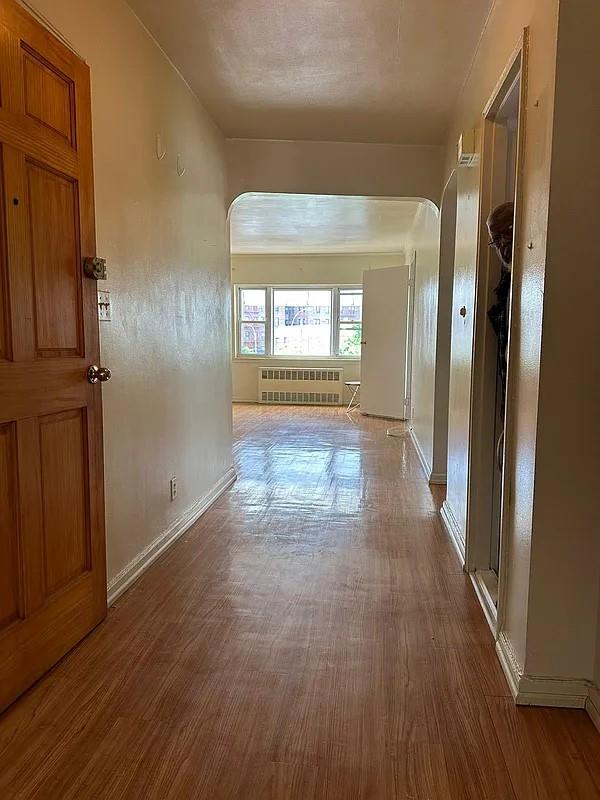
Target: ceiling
x=328, y=70
x=306, y=223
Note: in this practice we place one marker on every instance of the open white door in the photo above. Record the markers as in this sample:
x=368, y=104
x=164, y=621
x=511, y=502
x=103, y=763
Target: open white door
x=385, y=338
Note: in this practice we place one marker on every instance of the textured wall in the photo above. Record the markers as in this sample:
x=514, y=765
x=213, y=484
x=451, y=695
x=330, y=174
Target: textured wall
x=565, y=552
x=378, y=170
x=166, y=410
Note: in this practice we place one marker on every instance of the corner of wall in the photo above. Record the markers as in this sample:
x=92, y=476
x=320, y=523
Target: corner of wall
x=593, y=705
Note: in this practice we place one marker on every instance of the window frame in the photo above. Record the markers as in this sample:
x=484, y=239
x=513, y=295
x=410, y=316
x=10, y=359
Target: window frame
x=269, y=290
x=239, y=322
x=338, y=319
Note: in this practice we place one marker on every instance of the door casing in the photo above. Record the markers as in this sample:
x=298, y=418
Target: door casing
x=478, y=530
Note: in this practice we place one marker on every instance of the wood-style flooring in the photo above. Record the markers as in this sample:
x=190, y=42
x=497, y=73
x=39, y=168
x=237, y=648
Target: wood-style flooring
x=312, y=637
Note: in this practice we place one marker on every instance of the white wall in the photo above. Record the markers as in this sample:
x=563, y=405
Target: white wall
x=167, y=408
x=345, y=168
x=444, y=329
x=565, y=549
x=299, y=269
x=498, y=42
x=461, y=344
x=425, y=241
x=551, y=554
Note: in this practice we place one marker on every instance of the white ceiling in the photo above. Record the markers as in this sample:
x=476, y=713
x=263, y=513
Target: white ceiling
x=305, y=223
x=329, y=70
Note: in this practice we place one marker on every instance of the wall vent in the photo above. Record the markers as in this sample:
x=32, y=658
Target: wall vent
x=319, y=387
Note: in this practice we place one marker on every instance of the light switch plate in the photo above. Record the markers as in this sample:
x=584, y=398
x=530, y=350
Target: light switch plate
x=104, y=307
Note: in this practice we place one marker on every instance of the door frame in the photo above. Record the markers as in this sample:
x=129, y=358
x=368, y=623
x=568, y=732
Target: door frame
x=478, y=529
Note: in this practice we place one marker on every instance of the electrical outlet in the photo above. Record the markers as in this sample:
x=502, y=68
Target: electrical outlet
x=173, y=485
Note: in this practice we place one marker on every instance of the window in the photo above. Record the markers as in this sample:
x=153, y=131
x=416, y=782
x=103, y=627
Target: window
x=297, y=322
x=253, y=322
x=301, y=322
x=350, y=322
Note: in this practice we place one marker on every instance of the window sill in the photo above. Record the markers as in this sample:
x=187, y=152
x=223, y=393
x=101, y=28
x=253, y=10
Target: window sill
x=293, y=359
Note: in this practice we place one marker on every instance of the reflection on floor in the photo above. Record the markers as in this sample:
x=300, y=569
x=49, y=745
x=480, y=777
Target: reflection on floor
x=312, y=637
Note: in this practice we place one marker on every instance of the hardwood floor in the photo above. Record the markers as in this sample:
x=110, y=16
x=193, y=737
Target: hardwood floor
x=312, y=637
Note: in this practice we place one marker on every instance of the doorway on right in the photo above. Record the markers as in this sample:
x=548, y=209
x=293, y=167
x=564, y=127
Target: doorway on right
x=490, y=432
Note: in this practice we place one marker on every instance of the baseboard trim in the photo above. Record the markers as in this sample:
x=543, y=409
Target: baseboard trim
x=420, y=454
x=553, y=692
x=486, y=601
x=453, y=530
x=134, y=570
x=438, y=478
x=531, y=690
x=510, y=666
x=592, y=706
x=380, y=416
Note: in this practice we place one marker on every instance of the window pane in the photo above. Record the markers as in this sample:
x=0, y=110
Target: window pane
x=253, y=304
x=350, y=306
x=252, y=338
x=302, y=322
x=350, y=336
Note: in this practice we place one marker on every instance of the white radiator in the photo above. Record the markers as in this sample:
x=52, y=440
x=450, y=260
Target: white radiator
x=301, y=386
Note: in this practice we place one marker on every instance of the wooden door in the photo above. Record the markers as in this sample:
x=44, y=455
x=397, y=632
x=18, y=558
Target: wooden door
x=52, y=550
x=385, y=337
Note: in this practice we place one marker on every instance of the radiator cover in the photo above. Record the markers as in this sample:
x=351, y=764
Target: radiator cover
x=303, y=386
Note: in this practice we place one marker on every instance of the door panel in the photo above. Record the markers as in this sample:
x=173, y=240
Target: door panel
x=383, y=355
x=10, y=573
x=63, y=458
x=49, y=95
x=56, y=263
x=52, y=550
x=5, y=331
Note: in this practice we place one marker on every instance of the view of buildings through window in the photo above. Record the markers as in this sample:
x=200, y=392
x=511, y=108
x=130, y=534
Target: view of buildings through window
x=350, y=322
x=310, y=321
x=301, y=322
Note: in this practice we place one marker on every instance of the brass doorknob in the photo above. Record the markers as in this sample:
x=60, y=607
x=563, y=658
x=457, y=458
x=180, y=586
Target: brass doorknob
x=96, y=373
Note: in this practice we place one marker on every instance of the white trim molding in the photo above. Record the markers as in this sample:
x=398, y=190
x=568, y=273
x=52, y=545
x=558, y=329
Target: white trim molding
x=592, y=705
x=508, y=661
x=531, y=690
x=134, y=570
x=453, y=530
x=435, y=478
x=554, y=692
x=486, y=601
x=438, y=479
x=420, y=453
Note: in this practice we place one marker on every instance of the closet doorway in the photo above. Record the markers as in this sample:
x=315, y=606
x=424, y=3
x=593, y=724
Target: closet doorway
x=490, y=423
